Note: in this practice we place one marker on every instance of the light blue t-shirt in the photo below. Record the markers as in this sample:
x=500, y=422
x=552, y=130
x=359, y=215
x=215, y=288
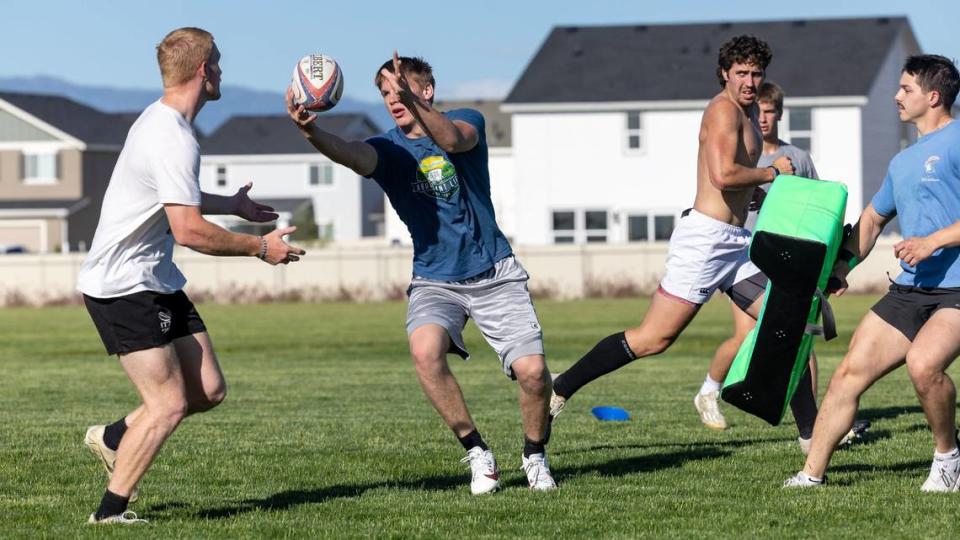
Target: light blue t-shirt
x=444, y=200
x=922, y=189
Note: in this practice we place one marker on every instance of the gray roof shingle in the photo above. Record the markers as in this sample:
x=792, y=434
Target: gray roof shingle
x=276, y=134
x=811, y=58
x=85, y=123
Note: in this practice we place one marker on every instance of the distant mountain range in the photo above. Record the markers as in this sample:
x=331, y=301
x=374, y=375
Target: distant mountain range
x=236, y=100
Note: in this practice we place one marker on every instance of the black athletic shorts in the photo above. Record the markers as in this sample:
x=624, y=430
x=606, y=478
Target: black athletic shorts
x=908, y=308
x=143, y=320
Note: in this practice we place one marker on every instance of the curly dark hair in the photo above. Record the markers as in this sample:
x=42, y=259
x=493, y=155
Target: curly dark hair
x=743, y=49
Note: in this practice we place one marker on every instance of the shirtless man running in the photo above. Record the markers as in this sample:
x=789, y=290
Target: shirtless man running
x=708, y=250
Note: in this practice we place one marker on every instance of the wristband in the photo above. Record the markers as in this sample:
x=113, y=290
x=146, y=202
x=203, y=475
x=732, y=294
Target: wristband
x=776, y=171
x=848, y=257
x=263, y=249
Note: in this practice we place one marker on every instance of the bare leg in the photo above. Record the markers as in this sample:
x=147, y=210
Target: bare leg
x=533, y=379
x=202, y=377
x=727, y=351
x=876, y=349
x=931, y=354
x=428, y=346
x=157, y=377
x=663, y=323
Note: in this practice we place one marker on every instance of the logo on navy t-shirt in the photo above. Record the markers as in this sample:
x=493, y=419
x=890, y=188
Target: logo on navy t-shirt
x=437, y=178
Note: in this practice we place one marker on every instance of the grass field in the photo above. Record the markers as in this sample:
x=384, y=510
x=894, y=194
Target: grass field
x=325, y=433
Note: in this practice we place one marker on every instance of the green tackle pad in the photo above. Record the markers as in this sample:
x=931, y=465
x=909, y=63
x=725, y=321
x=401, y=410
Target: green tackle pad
x=797, y=237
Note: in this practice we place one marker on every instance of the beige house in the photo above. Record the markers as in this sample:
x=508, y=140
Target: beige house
x=56, y=157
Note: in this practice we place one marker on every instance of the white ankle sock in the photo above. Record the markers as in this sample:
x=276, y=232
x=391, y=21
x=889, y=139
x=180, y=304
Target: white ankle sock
x=709, y=385
x=953, y=454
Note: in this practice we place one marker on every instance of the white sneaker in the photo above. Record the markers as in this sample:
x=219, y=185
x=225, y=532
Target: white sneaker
x=801, y=480
x=94, y=441
x=709, y=410
x=944, y=476
x=557, y=403
x=538, y=473
x=485, y=477
x=126, y=518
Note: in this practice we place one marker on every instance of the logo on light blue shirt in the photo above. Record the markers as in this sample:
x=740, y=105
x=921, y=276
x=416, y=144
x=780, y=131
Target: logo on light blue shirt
x=930, y=169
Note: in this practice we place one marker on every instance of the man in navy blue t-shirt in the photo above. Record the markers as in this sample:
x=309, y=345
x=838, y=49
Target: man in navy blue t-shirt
x=433, y=168
x=918, y=321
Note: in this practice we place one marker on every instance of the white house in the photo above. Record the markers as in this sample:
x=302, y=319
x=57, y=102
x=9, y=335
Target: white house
x=605, y=120
x=290, y=175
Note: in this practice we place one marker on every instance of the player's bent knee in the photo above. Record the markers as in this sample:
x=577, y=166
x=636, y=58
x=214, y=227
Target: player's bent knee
x=532, y=376
x=428, y=359
x=925, y=377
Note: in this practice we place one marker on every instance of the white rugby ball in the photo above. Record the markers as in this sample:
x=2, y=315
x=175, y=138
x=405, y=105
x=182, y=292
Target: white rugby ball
x=317, y=82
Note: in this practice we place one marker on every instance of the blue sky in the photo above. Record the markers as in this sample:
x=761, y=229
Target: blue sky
x=477, y=48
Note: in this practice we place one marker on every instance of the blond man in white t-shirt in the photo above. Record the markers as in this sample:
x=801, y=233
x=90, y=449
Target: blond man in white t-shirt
x=131, y=286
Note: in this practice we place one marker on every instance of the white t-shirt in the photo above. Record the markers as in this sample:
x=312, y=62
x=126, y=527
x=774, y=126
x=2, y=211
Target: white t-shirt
x=132, y=250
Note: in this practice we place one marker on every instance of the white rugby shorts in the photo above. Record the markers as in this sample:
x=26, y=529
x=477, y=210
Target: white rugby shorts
x=706, y=255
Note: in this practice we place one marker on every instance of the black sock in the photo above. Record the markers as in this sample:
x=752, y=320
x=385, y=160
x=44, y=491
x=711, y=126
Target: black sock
x=472, y=439
x=114, y=432
x=610, y=354
x=111, y=505
x=804, y=406
x=530, y=447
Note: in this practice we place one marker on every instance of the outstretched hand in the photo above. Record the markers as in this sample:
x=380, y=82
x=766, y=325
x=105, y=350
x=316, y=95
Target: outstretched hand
x=397, y=81
x=278, y=251
x=300, y=115
x=250, y=210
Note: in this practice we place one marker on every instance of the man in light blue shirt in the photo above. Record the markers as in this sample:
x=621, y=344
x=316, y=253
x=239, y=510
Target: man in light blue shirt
x=918, y=321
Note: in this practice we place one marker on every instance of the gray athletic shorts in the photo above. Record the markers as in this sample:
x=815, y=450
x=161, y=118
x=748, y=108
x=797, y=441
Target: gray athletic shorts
x=498, y=302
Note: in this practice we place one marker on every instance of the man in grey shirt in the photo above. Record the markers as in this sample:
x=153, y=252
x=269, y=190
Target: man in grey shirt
x=803, y=405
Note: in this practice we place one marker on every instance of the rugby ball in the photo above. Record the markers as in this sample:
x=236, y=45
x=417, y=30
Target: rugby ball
x=317, y=82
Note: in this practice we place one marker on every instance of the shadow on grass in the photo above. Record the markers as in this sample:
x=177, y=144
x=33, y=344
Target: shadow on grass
x=881, y=413
x=904, y=466
x=643, y=464
x=285, y=500
x=692, y=445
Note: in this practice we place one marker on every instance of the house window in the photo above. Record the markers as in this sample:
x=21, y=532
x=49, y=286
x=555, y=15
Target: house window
x=321, y=174
x=640, y=225
x=662, y=227
x=578, y=226
x=564, y=227
x=221, y=175
x=634, y=134
x=40, y=168
x=595, y=222
x=800, y=125
x=637, y=228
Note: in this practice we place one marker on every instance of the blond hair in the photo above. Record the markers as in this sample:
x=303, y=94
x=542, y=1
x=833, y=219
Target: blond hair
x=181, y=52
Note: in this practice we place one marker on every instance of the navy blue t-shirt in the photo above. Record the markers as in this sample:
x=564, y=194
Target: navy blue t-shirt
x=444, y=200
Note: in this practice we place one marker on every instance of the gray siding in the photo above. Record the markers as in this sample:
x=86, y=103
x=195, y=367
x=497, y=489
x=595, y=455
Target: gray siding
x=97, y=168
x=16, y=130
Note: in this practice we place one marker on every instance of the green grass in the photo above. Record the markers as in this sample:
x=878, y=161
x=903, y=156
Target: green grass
x=325, y=433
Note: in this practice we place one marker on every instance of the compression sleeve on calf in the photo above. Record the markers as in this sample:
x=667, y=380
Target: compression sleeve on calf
x=610, y=354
